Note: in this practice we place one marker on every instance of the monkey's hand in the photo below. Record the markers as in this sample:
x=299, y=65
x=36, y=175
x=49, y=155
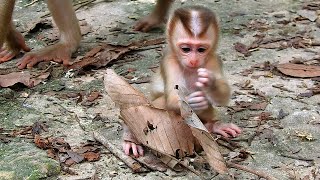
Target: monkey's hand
x=14, y=43
x=137, y=150
x=197, y=100
x=60, y=53
x=225, y=129
x=130, y=143
x=205, y=78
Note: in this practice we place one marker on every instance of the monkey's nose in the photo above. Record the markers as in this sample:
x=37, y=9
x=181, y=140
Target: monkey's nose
x=193, y=63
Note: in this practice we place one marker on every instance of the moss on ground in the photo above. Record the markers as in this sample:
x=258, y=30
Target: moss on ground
x=19, y=160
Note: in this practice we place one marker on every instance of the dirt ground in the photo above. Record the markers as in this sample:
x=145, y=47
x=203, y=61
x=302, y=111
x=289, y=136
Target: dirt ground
x=279, y=114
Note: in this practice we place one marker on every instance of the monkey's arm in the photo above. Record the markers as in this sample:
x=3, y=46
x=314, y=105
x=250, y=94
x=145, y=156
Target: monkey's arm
x=216, y=86
x=172, y=76
x=155, y=18
x=219, y=92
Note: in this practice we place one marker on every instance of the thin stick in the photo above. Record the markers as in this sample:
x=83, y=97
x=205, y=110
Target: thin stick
x=32, y=2
x=78, y=120
x=297, y=157
x=252, y=171
x=79, y=5
x=83, y=4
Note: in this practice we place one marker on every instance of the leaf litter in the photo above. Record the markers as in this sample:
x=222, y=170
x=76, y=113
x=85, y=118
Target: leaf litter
x=57, y=148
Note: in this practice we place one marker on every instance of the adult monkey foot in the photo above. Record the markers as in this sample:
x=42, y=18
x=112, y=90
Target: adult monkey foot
x=13, y=44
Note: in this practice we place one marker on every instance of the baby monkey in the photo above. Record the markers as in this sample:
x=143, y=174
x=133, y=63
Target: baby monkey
x=191, y=63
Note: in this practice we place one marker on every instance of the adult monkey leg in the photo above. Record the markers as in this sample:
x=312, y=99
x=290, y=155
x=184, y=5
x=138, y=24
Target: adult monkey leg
x=155, y=18
x=11, y=41
x=70, y=36
x=6, y=9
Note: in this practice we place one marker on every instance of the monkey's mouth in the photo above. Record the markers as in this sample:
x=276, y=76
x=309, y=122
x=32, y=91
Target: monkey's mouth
x=189, y=66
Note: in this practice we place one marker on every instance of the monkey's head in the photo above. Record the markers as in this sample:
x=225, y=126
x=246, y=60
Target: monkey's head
x=192, y=34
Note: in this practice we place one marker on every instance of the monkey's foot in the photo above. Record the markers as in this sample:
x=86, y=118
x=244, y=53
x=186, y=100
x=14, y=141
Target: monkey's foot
x=14, y=43
x=136, y=149
x=225, y=129
x=60, y=53
x=149, y=22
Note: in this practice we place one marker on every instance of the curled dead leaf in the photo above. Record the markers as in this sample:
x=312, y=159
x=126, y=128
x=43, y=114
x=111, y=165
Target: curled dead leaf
x=241, y=48
x=25, y=78
x=91, y=156
x=41, y=143
x=93, y=96
x=299, y=70
x=75, y=156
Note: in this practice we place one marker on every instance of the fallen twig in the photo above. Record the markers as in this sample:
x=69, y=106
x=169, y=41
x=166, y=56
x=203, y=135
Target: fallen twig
x=31, y=3
x=296, y=157
x=253, y=171
x=78, y=120
x=79, y=5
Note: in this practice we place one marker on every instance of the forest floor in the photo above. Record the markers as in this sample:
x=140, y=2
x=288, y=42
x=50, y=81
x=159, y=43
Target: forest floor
x=275, y=103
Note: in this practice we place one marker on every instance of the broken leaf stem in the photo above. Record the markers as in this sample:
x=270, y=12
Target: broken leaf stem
x=252, y=171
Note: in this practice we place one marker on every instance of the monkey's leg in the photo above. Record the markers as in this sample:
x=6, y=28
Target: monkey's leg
x=215, y=126
x=70, y=36
x=9, y=37
x=155, y=18
x=6, y=9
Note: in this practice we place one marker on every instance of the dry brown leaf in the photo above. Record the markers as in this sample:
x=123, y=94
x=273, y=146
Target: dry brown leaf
x=75, y=156
x=299, y=70
x=41, y=143
x=93, y=96
x=91, y=156
x=121, y=92
x=25, y=78
x=242, y=105
x=241, y=48
x=158, y=129
x=37, y=25
x=259, y=106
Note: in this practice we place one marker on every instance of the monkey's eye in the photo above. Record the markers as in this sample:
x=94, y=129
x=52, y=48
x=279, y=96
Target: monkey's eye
x=185, y=49
x=201, y=50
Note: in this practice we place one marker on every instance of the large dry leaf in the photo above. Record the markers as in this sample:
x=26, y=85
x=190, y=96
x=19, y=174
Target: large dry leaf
x=153, y=127
x=299, y=70
x=25, y=78
x=163, y=131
